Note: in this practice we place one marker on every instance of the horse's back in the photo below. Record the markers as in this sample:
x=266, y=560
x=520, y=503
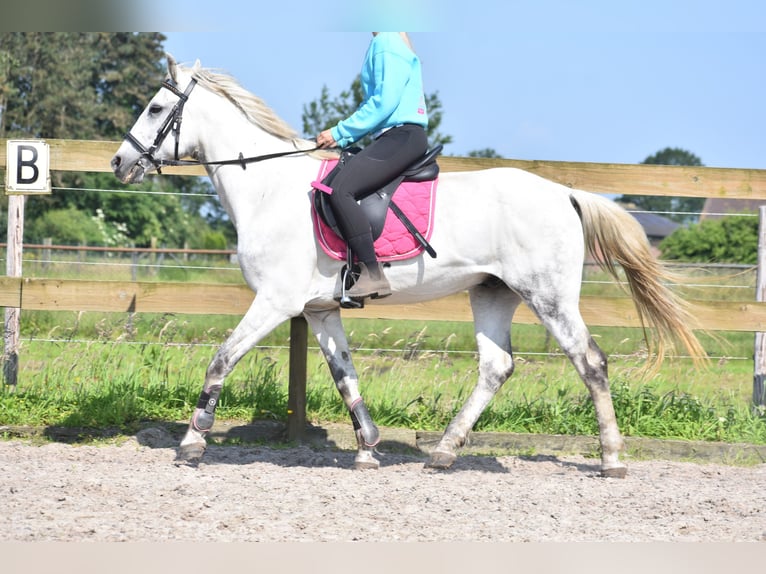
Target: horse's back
x=505, y=184
x=506, y=206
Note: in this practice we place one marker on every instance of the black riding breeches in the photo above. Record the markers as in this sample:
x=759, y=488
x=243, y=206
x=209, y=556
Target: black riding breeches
x=369, y=170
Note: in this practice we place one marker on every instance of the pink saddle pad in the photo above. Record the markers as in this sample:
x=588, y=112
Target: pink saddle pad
x=415, y=199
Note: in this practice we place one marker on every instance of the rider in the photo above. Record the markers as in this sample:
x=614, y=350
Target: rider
x=394, y=111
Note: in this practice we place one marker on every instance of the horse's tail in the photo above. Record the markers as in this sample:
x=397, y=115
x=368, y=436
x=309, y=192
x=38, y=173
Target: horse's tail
x=614, y=237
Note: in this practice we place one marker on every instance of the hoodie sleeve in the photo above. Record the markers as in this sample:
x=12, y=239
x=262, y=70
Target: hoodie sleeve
x=391, y=73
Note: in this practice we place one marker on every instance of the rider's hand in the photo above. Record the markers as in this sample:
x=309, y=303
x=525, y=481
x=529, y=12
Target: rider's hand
x=325, y=139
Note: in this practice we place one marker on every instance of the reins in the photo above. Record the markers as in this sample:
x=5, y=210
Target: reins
x=241, y=160
x=172, y=124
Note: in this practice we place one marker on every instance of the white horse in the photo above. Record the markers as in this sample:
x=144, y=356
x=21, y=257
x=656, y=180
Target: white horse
x=504, y=235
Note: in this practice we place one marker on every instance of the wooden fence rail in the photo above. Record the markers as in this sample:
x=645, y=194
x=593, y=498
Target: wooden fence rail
x=218, y=299
x=628, y=179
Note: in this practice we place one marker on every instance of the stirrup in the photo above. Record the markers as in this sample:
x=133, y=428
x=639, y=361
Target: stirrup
x=346, y=282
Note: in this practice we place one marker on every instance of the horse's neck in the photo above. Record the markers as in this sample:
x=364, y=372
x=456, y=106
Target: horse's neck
x=248, y=193
x=226, y=140
x=262, y=188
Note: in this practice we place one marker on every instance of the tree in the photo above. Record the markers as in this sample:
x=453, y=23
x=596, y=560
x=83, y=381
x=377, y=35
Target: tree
x=680, y=209
x=130, y=70
x=76, y=85
x=325, y=112
x=731, y=239
x=92, y=86
x=163, y=214
x=487, y=152
x=69, y=226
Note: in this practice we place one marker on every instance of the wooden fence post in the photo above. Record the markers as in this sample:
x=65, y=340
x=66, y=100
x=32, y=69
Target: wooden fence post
x=47, y=253
x=759, y=359
x=134, y=264
x=153, y=271
x=13, y=269
x=296, y=394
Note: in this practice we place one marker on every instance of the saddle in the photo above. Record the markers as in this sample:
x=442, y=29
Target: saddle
x=417, y=183
x=376, y=205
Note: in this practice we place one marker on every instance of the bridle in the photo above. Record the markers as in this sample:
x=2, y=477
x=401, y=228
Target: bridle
x=172, y=124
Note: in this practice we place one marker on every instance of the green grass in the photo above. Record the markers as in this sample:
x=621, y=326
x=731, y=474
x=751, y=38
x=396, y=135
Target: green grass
x=102, y=370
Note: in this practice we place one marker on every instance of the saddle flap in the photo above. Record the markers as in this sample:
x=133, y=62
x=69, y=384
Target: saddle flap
x=375, y=207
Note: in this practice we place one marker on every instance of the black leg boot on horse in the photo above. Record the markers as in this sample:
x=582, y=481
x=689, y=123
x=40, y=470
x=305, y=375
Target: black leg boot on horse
x=372, y=281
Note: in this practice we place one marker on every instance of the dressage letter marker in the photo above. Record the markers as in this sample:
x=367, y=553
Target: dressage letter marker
x=28, y=167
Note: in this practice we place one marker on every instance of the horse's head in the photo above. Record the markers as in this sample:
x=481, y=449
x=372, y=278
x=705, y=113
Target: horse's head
x=156, y=136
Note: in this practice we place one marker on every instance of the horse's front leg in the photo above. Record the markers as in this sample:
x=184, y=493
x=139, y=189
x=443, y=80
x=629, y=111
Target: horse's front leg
x=259, y=321
x=328, y=329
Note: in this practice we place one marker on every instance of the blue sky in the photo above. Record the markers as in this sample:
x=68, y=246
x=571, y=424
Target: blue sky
x=589, y=81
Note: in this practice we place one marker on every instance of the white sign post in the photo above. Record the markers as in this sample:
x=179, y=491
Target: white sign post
x=28, y=167
x=759, y=362
x=27, y=173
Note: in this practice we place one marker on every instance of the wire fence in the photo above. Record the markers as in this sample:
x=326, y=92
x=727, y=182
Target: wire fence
x=108, y=263
x=104, y=263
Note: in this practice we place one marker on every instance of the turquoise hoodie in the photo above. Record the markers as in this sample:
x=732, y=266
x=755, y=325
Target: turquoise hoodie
x=392, y=84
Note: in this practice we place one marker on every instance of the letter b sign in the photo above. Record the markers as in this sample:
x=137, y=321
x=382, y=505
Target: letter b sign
x=28, y=167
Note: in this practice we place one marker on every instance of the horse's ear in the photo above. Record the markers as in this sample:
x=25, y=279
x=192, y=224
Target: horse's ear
x=197, y=64
x=172, y=66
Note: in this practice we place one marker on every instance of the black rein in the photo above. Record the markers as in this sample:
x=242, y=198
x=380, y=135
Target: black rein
x=241, y=160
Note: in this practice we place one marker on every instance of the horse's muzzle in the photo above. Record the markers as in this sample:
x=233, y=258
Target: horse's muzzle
x=132, y=174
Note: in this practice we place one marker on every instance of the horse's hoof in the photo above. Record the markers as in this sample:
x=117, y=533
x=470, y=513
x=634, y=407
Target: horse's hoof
x=615, y=472
x=366, y=463
x=441, y=460
x=190, y=452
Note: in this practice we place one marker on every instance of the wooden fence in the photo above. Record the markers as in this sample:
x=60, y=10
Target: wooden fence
x=628, y=179
x=219, y=299
x=94, y=156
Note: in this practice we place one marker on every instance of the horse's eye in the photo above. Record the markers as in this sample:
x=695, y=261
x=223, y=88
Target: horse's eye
x=155, y=109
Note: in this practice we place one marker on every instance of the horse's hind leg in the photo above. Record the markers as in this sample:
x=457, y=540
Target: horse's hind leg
x=493, y=307
x=328, y=329
x=566, y=324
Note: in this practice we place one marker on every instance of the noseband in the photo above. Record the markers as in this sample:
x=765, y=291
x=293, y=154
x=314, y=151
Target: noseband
x=171, y=124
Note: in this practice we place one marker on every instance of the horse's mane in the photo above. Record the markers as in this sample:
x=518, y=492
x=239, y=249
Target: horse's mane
x=254, y=108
